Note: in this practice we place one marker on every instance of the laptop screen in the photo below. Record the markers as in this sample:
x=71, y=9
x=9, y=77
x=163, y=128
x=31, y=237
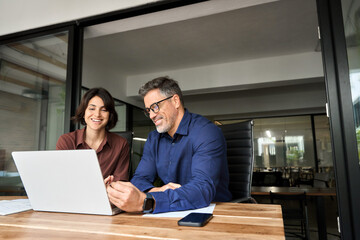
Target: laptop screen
x=63, y=181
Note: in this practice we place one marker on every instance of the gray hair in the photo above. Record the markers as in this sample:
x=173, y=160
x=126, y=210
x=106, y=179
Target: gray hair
x=166, y=85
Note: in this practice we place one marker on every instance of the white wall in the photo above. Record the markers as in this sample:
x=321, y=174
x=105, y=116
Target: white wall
x=20, y=15
x=236, y=88
x=238, y=75
x=272, y=101
x=101, y=73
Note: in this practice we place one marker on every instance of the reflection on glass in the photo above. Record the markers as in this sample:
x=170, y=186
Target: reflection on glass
x=283, y=142
x=351, y=15
x=323, y=141
x=294, y=149
x=324, y=150
x=32, y=99
x=284, y=151
x=120, y=109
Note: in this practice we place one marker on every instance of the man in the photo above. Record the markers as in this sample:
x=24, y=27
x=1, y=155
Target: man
x=186, y=151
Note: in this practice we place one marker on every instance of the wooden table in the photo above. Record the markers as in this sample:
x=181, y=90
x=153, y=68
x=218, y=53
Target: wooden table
x=310, y=191
x=318, y=193
x=230, y=221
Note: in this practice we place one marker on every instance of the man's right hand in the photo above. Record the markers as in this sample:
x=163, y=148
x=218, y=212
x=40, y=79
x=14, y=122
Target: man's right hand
x=170, y=185
x=126, y=196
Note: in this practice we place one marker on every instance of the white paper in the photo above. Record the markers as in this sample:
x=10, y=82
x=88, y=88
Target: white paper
x=14, y=206
x=181, y=214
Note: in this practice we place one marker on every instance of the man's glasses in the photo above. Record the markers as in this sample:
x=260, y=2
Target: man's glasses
x=154, y=107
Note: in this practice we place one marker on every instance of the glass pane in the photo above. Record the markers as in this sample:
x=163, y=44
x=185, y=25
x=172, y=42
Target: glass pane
x=284, y=151
x=325, y=176
x=32, y=99
x=120, y=108
x=283, y=142
x=323, y=141
x=351, y=14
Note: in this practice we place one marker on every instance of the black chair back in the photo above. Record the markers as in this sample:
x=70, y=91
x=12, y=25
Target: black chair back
x=128, y=135
x=240, y=155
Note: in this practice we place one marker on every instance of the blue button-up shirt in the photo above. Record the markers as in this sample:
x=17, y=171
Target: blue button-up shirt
x=195, y=158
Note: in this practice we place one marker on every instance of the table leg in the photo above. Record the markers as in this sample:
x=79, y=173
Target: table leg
x=321, y=217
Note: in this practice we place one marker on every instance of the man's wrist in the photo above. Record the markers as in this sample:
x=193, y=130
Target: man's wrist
x=148, y=204
x=141, y=201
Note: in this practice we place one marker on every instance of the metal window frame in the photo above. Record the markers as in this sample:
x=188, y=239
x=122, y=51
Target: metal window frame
x=74, y=74
x=342, y=125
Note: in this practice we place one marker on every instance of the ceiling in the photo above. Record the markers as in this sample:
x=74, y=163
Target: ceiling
x=270, y=29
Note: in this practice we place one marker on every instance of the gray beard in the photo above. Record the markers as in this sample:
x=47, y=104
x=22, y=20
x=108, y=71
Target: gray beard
x=161, y=129
x=167, y=127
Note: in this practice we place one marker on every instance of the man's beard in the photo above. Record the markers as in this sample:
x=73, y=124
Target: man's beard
x=166, y=126
x=162, y=129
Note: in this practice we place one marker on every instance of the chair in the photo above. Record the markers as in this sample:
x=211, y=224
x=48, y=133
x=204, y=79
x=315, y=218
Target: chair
x=321, y=180
x=267, y=179
x=240, y=156
x=128, y=135
x=295, y=213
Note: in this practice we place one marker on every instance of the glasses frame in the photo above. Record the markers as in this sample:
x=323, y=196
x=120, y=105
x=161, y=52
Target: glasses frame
x=152, y=107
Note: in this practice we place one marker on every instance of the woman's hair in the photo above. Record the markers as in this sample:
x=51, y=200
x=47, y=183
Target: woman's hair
x=166, y=85
x=108, y=104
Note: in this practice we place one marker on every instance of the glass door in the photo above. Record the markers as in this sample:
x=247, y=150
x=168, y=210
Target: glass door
x=339, y=29
x=32, y=100
x=351, y=16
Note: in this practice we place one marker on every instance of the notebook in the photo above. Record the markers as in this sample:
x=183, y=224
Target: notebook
x=64, y=181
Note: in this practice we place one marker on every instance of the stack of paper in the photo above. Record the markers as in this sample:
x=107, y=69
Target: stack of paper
x=181, y=214
x=14, y=206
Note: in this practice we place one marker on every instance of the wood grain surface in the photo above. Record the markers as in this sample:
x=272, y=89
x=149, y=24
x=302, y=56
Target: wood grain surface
x=230, y=221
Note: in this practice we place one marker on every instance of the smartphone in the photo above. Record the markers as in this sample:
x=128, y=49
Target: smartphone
x=195, y=219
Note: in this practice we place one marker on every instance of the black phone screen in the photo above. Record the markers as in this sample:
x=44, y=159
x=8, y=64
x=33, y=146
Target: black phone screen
x=195, y=219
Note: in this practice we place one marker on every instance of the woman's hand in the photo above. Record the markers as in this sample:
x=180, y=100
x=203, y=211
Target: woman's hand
x=108, y=180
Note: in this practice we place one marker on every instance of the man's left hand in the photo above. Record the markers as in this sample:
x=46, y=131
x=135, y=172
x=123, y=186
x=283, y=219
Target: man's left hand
x=170, y=185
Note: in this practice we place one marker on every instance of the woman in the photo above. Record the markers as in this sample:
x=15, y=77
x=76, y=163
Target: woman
x=97, y=112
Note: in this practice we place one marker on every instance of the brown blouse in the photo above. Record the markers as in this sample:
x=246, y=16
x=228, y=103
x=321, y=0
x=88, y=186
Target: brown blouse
x=113, y=152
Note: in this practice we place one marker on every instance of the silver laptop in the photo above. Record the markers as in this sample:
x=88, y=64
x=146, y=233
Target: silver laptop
x=64, y=181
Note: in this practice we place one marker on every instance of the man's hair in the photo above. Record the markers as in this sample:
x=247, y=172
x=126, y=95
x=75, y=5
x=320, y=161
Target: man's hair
x=108, y=104
x=166, y=85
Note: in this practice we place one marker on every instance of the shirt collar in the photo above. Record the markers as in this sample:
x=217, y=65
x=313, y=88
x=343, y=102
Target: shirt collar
x=183, y=128
x=80, y=137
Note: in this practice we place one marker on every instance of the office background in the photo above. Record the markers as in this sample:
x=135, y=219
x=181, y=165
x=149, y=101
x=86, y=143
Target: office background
x=259, y=61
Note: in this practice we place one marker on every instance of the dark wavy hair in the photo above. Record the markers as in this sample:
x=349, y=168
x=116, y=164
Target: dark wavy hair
x=108, y=104
x=166, y=85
